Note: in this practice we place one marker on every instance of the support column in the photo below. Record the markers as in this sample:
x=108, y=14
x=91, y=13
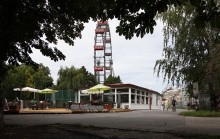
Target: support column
x=79, y=96
x=150, y=106
x=129, y=98
x=115, y=95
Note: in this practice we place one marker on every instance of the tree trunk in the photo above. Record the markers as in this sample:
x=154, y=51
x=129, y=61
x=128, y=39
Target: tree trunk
x=212, y=96
x=1, y=112
x=2, y=75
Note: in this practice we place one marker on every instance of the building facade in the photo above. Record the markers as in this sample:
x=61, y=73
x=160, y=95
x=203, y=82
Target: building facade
x=127, y=96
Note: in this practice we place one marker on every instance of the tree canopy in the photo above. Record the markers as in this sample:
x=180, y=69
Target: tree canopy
x=26, y=24
x=72, y=78
x=190, y=54
x=22, y=76
x=113, y=79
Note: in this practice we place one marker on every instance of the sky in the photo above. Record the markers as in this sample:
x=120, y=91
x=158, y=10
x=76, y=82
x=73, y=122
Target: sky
x=133, y=60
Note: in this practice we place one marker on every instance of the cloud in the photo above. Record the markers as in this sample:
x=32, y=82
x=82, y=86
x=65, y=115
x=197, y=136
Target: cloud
x=133, y=60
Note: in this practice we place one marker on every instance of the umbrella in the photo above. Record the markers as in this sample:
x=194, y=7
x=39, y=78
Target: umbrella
x=47, y=91
x=90, y=92
x=27, y=89
x=17, y=89
x=98, y=88
x=85, y=91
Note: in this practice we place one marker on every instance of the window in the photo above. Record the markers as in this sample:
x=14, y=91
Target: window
x=107, y=91
x=138, y=100
x=142, y=100
x=124, y=98
x=85, y=98
x=138, y=97
x=146, y=100
x=106, y=98
x=132, y=98
x=132, y=90
x=146, y=93
x=113, y=98
x=138, y=92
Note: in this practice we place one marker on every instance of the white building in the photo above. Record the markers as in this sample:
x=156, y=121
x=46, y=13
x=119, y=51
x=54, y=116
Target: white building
x=127, y=96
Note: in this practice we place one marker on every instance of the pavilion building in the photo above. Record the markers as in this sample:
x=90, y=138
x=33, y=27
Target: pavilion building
x=127, y=96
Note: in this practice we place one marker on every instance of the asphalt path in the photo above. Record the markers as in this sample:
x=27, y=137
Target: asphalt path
x=143, y=120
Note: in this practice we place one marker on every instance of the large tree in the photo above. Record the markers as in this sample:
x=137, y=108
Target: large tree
x=72, y=79
x=22, y=76
x=190, y=53
x=42, y=78
x=113, y=79
x=27, y=25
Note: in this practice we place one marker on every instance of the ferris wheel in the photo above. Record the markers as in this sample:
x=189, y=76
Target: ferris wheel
x=103, y=63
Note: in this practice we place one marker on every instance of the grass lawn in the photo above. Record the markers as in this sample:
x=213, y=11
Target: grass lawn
x=201, y=113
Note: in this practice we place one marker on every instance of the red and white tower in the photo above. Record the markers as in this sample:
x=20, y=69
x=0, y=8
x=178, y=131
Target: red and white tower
x=103, y=63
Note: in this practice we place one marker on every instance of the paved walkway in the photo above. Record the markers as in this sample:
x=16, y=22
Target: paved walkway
x=144, y=120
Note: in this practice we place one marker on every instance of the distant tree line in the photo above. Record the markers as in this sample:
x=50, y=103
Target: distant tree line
x=69, y=79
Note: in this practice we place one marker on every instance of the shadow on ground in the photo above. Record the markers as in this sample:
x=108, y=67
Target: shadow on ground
x=57, y=131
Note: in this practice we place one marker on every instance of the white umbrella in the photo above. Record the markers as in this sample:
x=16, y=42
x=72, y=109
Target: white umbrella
x=17, y=89
x=27, y=89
